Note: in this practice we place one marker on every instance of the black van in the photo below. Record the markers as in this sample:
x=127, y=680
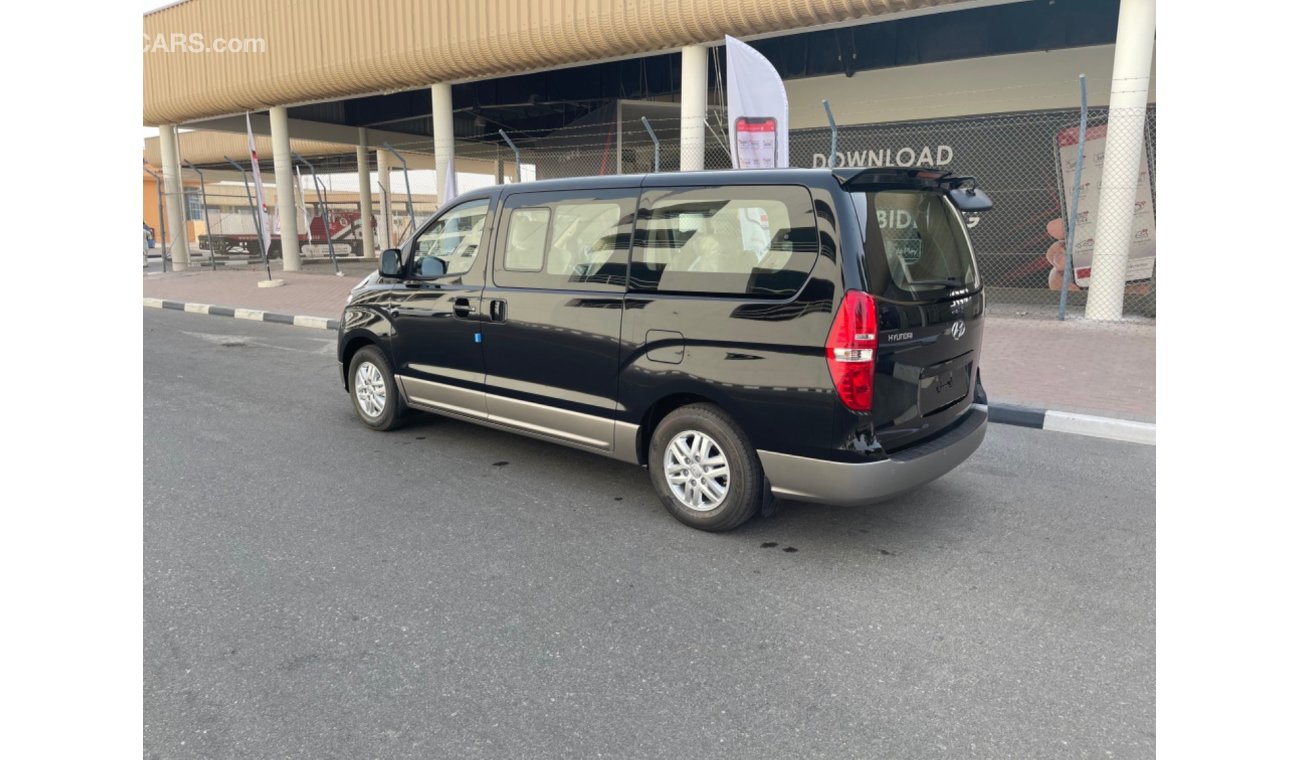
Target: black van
x=807, y=334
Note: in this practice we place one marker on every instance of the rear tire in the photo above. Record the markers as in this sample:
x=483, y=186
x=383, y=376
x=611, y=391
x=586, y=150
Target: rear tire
x=375, y=396
x=705, y=470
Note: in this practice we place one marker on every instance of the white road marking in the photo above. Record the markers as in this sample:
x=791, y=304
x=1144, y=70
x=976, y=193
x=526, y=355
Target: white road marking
x=327, y=347
x=1100, y=427
x=320, y=323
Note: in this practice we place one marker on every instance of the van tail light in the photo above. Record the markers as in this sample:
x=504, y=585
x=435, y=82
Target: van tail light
x=851, y=350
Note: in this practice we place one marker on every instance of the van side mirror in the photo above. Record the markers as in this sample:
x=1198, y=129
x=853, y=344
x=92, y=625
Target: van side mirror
x=432, y=266
x=390, y=263
x=970, y=199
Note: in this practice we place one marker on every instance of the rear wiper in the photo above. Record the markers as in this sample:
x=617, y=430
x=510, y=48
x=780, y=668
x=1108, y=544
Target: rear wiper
x=949, y=281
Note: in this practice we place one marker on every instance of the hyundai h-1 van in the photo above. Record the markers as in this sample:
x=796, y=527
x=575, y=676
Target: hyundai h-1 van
x=801, y=334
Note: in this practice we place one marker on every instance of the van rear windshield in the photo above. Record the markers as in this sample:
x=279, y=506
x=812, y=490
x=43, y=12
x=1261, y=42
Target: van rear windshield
x=916, y=244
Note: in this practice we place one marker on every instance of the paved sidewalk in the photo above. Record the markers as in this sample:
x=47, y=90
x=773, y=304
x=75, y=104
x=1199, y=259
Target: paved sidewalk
x=1072, y=366
x=314, y=295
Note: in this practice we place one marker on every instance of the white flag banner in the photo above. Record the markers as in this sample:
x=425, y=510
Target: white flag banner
x=301, y=200
x=449, y=182
x=758, y=114
x=257, y=186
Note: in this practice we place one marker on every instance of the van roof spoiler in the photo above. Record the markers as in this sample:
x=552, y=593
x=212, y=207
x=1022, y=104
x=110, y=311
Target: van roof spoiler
x=959, y=189
x=898, y=178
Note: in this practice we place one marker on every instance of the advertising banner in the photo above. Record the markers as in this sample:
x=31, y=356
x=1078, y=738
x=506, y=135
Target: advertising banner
x=448, y=184
x=1142, y=245
x=301, y=202
x=758, y=114
x=257, y=185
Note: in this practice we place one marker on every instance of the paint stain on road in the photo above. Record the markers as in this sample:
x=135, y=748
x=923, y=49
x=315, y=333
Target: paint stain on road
x=789, y=549
x=502, y=463
x=767, y=544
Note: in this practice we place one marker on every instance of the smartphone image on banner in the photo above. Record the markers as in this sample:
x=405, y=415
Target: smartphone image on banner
x=756, y=142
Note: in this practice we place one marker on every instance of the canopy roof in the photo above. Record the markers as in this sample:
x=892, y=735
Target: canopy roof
x=305, y=52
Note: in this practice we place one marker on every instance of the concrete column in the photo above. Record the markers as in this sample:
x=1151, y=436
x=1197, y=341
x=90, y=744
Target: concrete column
x=168, y=145
x=363, y=193
x=383, y=160
x=695, y=95
x=444, y=134
x=1134, y=42
x=284, y=189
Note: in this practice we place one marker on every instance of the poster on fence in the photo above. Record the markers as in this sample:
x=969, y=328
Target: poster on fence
x=1142, y=240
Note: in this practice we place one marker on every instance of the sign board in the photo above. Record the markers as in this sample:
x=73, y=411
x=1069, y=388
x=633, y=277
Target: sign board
x=1142, y=245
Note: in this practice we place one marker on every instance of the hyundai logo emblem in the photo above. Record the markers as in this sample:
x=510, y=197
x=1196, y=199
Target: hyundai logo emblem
x=957, y=330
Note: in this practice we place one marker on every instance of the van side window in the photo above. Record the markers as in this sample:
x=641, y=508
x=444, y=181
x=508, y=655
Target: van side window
x=451, y=244
x=526, y=239
x=567, y=241
x=756, y=241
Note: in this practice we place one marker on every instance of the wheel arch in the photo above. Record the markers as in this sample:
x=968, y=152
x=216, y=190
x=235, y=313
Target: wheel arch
x=660, y=409
x=354, y=343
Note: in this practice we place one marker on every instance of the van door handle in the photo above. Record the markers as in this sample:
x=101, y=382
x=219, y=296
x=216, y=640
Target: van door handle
x=461, y=308
x=497, y=310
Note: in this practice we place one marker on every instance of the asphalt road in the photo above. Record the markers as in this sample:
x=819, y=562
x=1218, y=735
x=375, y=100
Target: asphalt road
x=314, y=589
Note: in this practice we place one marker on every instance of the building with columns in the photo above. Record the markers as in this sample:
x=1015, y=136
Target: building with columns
x=540, y=88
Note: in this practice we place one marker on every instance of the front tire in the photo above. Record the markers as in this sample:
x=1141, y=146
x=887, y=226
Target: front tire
x=375, y=397
x=705, y=470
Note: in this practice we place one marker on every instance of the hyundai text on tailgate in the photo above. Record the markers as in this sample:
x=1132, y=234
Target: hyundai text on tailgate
x=797, y=333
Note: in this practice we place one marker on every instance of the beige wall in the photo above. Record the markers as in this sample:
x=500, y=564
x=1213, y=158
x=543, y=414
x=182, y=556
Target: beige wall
x=996, y=84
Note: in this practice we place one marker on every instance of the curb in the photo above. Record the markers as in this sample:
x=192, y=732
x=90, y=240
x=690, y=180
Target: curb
x=256, y=315
x=1112, y=428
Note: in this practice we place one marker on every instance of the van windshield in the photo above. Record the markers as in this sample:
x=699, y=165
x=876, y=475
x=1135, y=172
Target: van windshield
x=916, y=244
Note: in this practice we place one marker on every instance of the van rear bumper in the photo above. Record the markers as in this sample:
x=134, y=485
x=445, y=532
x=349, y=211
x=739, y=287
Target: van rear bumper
x=858, y=483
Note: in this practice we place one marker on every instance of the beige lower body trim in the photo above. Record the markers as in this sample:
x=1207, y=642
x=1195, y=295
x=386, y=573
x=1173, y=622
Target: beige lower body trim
x=437, y=397
x=859, y=483
x=574, y=427
x=599, y=435
x=625, y=442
